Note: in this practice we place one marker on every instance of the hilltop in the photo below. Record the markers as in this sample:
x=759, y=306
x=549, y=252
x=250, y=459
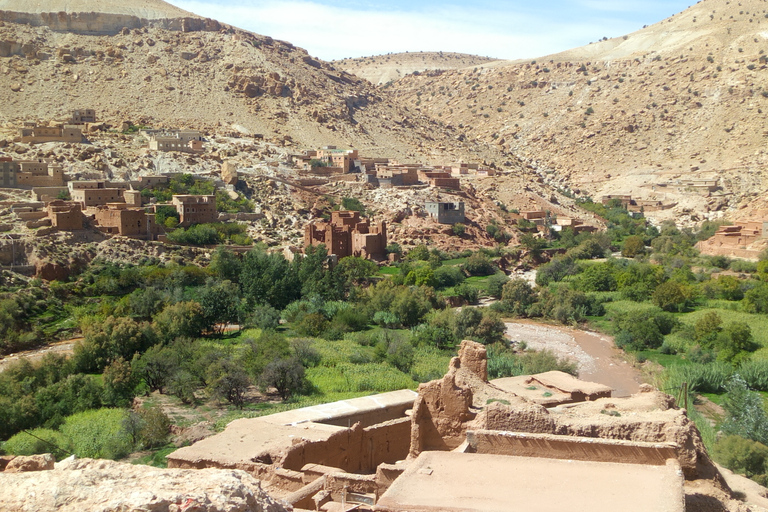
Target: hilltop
x=382, y=69
x=641, y=114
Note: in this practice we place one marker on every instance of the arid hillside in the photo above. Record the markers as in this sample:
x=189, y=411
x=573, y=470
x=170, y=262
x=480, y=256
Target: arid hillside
x=382, y=69
x=203, y=74
x=644, y=114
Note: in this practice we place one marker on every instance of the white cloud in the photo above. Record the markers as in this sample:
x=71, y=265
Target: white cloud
x=332, y=32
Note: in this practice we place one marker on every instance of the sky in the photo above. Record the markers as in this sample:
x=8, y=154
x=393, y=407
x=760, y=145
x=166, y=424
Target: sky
x=505, y=29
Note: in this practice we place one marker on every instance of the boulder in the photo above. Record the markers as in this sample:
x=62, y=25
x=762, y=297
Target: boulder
x=25, y=463
x=229, y=173
x=107, y=486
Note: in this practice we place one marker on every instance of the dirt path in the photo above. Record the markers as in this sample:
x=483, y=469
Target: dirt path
x=597, y=358
x=60, y=347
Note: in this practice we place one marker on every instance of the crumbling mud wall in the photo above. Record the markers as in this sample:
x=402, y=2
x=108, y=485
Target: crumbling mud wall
x=354, y=450
x=550, y=446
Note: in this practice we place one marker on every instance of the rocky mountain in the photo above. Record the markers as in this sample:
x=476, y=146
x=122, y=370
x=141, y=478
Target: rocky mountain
x=382, y=69
x=646, y=114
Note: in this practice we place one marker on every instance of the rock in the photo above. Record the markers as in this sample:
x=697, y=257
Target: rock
x=229, y=173
x=107, y=486
x=4, y=460
x=16, y=87
x=27, y=463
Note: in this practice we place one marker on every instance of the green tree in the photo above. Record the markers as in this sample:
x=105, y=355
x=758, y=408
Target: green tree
x=285, y=375
x=517, y=297
x=707, y=328
x=183, y=319
x=735, y=343
x=633, y=246
x=228, y=381
x=746, y=416
x=672, y=296
x=225, y=264
x=479, y=265
x=220, y=301
x=107, y=340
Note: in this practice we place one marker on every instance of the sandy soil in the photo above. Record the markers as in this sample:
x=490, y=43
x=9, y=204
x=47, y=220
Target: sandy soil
x=597, y=358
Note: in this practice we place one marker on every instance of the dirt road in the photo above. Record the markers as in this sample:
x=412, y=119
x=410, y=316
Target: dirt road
x=597, y=358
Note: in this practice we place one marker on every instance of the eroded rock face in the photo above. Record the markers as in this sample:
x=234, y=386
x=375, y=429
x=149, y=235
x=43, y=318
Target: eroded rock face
x=107, y=486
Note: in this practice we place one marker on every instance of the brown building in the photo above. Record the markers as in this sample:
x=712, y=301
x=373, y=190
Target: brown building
x=66, y=215
x=450, y=183
x=29, y=174
x=35, y=134
x=195, y=209
x=347, y=235
x=334, y=157
x=117, y=219
x=83, y=116
x=97, y=196
x=174, y=140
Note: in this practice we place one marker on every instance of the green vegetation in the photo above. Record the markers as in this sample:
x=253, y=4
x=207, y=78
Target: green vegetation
x=306, y=333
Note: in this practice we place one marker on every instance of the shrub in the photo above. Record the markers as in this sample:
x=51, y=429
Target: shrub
x=633, y=246
x=448, y=276
x=746, y=414
x=39, y=440
x=285, y=375
x=467, y=292
x=742, y=456
x=98, y=434
x=755, y=374
x=672, y=296
x=458, y=229
x=263, y=317
x=517, y=297
x=479, y=265
x=735, y=342
x=496, y=285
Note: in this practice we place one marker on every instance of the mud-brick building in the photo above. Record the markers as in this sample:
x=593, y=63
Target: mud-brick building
x=35, y=134
x=118, y=219
x=29, y=174
x=348, y=235
x=66, y=215
x=445, y=213
x=82, y=116
x=195, y=209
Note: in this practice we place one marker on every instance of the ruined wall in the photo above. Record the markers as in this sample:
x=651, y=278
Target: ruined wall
x=550, y=446
x=356, y=449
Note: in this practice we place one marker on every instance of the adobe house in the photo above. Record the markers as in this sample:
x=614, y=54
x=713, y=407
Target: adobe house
x=29, y=174
x=35, y=134
x=118, y=219
x=8, y=171
x=449, y=183
x=195, y=209
x=347, y=235
x=82, y=116
x=152, y=181
x=66, y=215
x=174, y=140
x=335, y=157
x=445, y=213
x=96, y=196
x=735, y=240
x=623, y=199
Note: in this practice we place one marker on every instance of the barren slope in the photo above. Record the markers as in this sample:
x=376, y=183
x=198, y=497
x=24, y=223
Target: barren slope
x=381, y=69
x=147, y=9
x=682, y=99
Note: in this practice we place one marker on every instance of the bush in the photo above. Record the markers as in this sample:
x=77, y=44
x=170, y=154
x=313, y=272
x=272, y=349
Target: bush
x=264, y=317
x=496, y=284
x=504, y=362
x=467, y=292
x=742, y=456
x=39, y=440
x=633, y=246
x=147, y=428
x=479, y=265
x=755, y=374
x=672, y=296
x=517, y=297
x=458, y=229
x=746, y=416
x=98, y=434
x=448, y=276
x=285, y=375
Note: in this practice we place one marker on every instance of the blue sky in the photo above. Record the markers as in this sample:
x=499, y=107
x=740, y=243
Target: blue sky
x=508, y=29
